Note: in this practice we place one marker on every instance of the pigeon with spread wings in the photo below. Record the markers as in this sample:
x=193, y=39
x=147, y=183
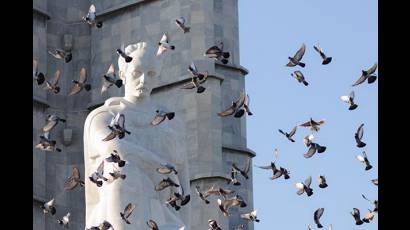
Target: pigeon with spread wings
x=105, y=225
x=198, y=78
x=244, y=172
x=363, y=158
x=350, y=100
x=375, y=203
x=251, y=216
x=326, y=59
x=200, y=194
x=304, y=187
x=97, y=177
x=117, y=127
x=37, y=76
x=217, y=53
x=74, y=180
x=90, y=18
x=166, y=169
x=116, y=158
x=121, y=52
x=165, y=183
x=160, y=116
x=52, y=121
x=46, y=144
x=226, y=204
x=61, y=55
x=163, y=45
x=127, y=212
x=298, y=75
x=52, y=86
x=181, y=24
x=358, y=136
x=49, y=207
x=289, y=135
x=314, y=125
x=367, y=75
x=296, y=59
x=110, y=79
x=80, y=84
x=236, y=107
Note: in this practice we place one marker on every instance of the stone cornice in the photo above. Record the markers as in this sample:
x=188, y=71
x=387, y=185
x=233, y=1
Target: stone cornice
x=239, y=68
x=240, y=150
x=119, y=7
x=41, y=13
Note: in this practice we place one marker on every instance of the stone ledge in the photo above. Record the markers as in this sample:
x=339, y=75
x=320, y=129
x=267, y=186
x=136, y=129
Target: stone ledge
x=40, y=101
x=240, y=149
x=119, y=7
x=38, y=199
x=180, y=82
x=239, y=68
x=209, y=176
x=41, y=13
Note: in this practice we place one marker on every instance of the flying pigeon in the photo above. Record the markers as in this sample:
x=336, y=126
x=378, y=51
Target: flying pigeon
x=276, y=172
x=244, y=172
x=181, y=24
x=250, y=216
x=117, y=127
x=182, y=197
x=99, y=174
x=322, y=181
x=61, y=55
x=117, y=174
x=358, y=137
x=236, y=106
x=375, y=203
x=289, y=135
x=46, y=144
x=122, y=53
x=115, y=158
x=127, y=212
x=298, y=75
x=91, y=18
x=164, y=45
x=166, y=169
x=367, y=75
x=201, y=195
x=198, y=78
x=307, y=140
x=152, y=225
x=350, y=100
x=103, y=226
x=316, y=217
x=226, y=204
x=218, y=192
x=110, y=79
x=314, y=125
x=369, y=216
x=172, y=201
x=160, y=117
x=52, y=86
x=375, y=182
x=244, y=109
x=356, y=216
x=295, y=60
x=65, y=220
x=363, y=158
x=49, y=207
x=165, y=183
x=305, y=187
x=217, y=53
x=52, y=121
x=213, y=225
x=74, y=180
x=79, y=85
x=38, y=76
x=314, y=147
x=326, y=60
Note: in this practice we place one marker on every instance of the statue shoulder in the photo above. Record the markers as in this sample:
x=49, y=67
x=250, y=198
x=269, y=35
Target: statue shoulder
x=103, y=113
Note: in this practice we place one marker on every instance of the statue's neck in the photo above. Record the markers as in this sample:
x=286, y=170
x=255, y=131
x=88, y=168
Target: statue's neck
x=143, y=101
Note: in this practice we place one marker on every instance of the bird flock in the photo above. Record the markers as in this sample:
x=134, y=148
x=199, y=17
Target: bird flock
x=227, y=198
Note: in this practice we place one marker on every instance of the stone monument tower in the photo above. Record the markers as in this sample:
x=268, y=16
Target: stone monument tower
x=213, y=142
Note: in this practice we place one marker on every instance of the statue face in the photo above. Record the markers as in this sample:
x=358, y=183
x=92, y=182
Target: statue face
x=140, y=75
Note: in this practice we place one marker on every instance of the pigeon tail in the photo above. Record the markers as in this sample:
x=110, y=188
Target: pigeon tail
x=172, y=47
x=40, y=78
x=224, y=61
x=200, y=89
x=239, y=113
x=309, y=192
x=63, y=120
x=186, y=200
x=87, y=87
x=371, y=79
x=99, y=24
x=206, y=201
x=187, y=29
x=359, y=222
x=118, y=83
x=361, y=144
x=366, y=220
x=58, y=150
x=170, y=116
x=301, y=64
x=99, y=183
x=321, y=149
x=327, y=61
x=353, y=107
x=52, y=211
x=305, y=83
x=121, y=163
x=324, y=185
x=226, y=55
x=368, y=167
x=319, y=226
x=123, y=176
x=56, y=90
x=128, y=59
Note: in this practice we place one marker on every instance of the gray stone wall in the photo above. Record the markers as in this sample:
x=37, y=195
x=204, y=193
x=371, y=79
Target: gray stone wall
x=214, y=142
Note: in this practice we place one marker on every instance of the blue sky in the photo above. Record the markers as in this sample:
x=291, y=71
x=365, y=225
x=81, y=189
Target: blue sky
x=270, y=31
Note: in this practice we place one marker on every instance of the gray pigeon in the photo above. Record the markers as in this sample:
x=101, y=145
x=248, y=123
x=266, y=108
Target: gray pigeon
x=97, y=177
x=152, y=225
x=115, y=158
x=238, y=108
x=213, y=225
x=314, y=125
x=322, y=181
x=198, y=78
x=218, y=192
x=295, y=60
x=37, y=76
x=160, y=117
x=127, y=212
x=358, y=136
x=298, y=75
x=74, y=180
x=363, y=158
x=289, y=135
x=375, y=203
x=217, y=52
x=163, y=45
x=91, y=18
x=64, y=221
x=181, y=24
x=166, y=169
x=201, y=195
x=52, y=86
x=244, y=172
x=117, y=174
x=326, y=59
x=103, y=226
x=226, y=204
x=304, y=187
x=52, y=121
x=316, y=217
x=367, y=75
x=375, y=182
x=110, y=79
x=46, y=144
x=356, y=216
x=350, y=100
x=165, y=183
x=251, y=216
x=61, y=55
x=80, y=84
x=117, y=127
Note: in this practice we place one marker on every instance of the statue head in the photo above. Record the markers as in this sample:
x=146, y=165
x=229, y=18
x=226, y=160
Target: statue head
x=140, y=75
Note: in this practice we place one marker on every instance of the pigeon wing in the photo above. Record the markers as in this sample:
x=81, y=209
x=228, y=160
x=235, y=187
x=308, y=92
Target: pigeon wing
x=157, y=120
x=293, y=131
x=248, y=166
x=83, y=75
x=308, y=181
x=189, y=85
x=372, y=69
x=111, y=70
x=360, y=80
x=351, y=95
x=345, y=99
x=49, y=126
x=76, y=89
x=360, y=131
x=57, y=75
x=92, y=9
x=310, y=152
x=299, y=54
x=128, y=210
x=229, y=111
x=100, y=168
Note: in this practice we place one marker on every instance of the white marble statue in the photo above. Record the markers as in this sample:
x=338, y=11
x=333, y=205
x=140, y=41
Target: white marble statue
x=144, y=150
